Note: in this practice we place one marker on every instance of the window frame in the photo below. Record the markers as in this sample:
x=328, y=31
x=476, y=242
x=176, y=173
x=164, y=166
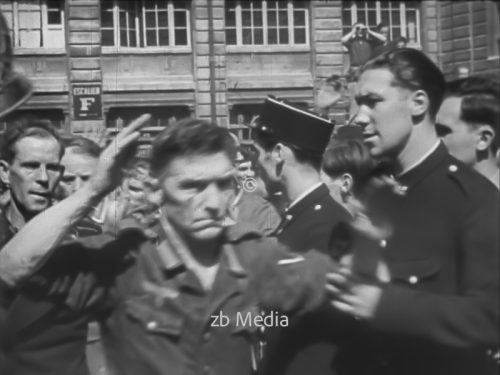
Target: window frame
x=291, y=46
x=141, y=31
x=492, y=30
x=402, y=20
x=44, y=29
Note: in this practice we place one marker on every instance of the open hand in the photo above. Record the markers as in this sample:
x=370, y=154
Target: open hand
x=120, y=151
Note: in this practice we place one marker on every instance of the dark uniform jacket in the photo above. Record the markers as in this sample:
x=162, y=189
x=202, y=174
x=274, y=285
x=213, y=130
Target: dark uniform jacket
x=39, y=335
x=440, y=312
x=307, y=346
x=156, y=318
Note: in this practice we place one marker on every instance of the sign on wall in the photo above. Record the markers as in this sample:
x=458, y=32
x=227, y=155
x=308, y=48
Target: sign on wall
x=87, y=102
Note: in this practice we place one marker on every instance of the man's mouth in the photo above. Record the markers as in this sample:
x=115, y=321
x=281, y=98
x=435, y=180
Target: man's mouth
x=44, y=195
x=367, y=136
x=208, y=223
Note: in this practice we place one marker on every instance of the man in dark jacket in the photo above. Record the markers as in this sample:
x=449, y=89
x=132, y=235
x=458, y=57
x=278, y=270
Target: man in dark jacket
x=439, y=313
x=187, y=299
x=291, y=143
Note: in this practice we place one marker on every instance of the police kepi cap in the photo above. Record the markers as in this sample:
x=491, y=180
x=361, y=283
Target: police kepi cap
x=295, y=127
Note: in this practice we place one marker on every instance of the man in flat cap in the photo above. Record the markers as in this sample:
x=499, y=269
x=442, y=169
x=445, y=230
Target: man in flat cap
x=291, y=143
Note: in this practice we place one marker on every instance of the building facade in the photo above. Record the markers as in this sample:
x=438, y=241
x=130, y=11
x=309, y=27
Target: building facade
x=98, y=64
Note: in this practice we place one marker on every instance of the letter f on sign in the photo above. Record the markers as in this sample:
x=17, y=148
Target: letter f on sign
x=86, y=103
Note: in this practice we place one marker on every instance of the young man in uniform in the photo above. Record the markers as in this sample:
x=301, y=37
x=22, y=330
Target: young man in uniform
x=468, y=123
x=291, y=143
x=439, y=313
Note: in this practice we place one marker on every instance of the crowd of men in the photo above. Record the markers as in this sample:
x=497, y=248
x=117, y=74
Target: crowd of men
x=384, y=260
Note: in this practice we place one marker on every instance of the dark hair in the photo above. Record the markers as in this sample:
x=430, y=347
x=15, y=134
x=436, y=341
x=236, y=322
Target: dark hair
x=480, y=101
x=267, y=142
x=349, y=156
x=27, y=128
x=190, y=137
x=412, y=70
x=82, y=145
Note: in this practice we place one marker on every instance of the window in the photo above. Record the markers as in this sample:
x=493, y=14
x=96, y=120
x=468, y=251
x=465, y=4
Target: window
x=35, y=23
x=145, y=23
x=402, y=17
x=267, y=23
x=493, y=34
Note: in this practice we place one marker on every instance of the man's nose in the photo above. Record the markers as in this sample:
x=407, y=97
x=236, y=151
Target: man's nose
x=361, y=119
x=213, y=198
x=78, y=183
x=42, y=174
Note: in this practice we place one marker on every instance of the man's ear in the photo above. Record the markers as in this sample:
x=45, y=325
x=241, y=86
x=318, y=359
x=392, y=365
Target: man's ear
x=4, y=172
x=419, y=102
x=278, y=152
x=486, y=134
x=347, y=183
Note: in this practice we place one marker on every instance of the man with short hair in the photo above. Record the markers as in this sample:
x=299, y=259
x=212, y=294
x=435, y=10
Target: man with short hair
x=30, y=167
x=187, y=300
x=39, y=332
x=468, y=123
x=439, y=313
x=79, y=161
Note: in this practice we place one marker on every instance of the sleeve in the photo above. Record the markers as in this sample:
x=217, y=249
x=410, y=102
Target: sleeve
x=467, y=318
x=81, y=273
x=266, y=217
x=289, y=282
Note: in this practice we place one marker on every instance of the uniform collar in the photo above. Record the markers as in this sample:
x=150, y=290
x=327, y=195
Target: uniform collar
x=170, y=246
x=412, y=176
x=303, y=195
x=308, y=199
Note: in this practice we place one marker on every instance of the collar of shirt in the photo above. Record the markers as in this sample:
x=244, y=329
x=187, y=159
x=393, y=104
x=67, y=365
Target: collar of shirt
x=14, y=216
x=303, y=195
x=172, y=251
x=421, y=160
x=428, y=164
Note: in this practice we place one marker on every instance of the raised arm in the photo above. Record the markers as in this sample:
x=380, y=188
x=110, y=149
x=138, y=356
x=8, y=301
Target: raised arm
x=31, y=245
x=347, y=37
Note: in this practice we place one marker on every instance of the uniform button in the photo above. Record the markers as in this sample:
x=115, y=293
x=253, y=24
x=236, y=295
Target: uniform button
x=402, y=189
x=413, y=279
x=207, y=336
x=453, y=168
x=289, y=217
x=264, y=128
x=317, y=207
x=152, y=325
x=383, y=244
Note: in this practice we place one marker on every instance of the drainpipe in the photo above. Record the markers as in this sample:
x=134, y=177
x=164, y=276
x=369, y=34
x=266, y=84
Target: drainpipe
x=211, y=52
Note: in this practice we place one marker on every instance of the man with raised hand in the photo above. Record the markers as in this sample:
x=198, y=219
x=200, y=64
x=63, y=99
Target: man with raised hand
x=187, y=300
x=39, y=334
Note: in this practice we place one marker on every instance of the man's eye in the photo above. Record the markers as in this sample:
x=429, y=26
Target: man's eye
x=227, y=183
x=68, y=179
x=135, y=189
x=31, y=165
x=442, y=130
x=194, y=185
x=54, y=168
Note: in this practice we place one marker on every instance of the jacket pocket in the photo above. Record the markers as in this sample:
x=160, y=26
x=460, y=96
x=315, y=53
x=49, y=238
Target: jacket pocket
x=165, y=318
x=416, y=271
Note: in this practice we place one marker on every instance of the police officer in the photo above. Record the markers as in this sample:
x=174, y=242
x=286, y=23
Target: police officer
x=438, y=314
x=291, y=143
